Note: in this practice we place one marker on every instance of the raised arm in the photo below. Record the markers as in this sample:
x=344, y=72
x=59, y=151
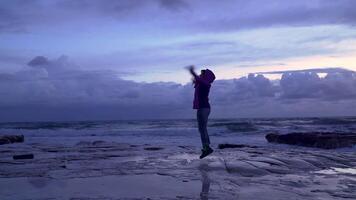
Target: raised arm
x=196, y=77
x=190, y=68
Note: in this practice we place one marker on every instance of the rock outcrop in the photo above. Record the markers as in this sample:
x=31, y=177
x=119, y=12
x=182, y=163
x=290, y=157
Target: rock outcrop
x=23, y=156
x=226, y=145
x=323, y=140
x=8, y=139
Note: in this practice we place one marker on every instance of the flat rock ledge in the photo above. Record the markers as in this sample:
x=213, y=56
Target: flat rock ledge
x=324, y=140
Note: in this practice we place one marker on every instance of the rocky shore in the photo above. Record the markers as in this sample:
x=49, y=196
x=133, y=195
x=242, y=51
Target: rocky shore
x=111, y=170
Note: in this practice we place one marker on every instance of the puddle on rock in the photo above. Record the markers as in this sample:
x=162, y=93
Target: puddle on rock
x=127, y=186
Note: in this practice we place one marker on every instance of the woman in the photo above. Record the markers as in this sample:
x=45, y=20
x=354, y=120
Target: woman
x=202, y=84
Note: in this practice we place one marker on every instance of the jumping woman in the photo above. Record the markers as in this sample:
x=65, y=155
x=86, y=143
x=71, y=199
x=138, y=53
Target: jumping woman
x=202, y=84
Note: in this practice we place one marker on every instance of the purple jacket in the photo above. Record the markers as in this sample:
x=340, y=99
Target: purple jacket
x=202, y=87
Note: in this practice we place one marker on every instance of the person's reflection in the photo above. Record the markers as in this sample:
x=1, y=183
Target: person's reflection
x=204, y=194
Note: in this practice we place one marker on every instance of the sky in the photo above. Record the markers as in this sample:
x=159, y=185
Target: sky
x=109, y=59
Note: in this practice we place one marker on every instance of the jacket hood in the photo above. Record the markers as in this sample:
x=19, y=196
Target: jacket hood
x=209, y=76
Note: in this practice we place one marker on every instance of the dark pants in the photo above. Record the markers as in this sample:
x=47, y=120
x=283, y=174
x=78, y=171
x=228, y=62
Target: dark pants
x=202, y=117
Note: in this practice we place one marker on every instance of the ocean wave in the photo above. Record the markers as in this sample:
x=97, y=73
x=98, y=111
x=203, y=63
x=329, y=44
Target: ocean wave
x=334, y=121
x=237, y=126
x=218, y=125
x=49, y=125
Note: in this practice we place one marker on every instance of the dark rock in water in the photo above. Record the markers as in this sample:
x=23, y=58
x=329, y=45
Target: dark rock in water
x=83, y=143
x=89, y=143
x=98, y=142
x=184, y=147
x=224, y=146
x=8, y=139
x=23, y=156
x=153, y=148
x=316, y=139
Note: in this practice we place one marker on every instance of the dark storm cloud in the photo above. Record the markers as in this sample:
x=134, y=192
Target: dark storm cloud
x=20, y=15
x=104, y=7
x=174, y=5
x=16, y=16
x=9, y=21
x=38, y=61
x=23, y=16
x=114, y=6
x=129, y=10
x=55, y=85
x=57, y=89
x=260, y=13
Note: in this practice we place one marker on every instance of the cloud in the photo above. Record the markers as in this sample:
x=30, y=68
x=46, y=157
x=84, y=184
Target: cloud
x=301, y=85
x=161, y=35
x=257, y=13
x=209, y=15
x=174, y=5
x=58, y=89
x=338, y=84
x=16, y=16
x=315, y=70
x=110, y=7
x=53, y=85
x=243, y=89
x=39, y=61
x=215, y=52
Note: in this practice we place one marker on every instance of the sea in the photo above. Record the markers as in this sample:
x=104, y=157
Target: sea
x=175, y=132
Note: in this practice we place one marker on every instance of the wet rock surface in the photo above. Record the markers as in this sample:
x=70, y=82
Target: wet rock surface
x=107, y=170
x=319, y=140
